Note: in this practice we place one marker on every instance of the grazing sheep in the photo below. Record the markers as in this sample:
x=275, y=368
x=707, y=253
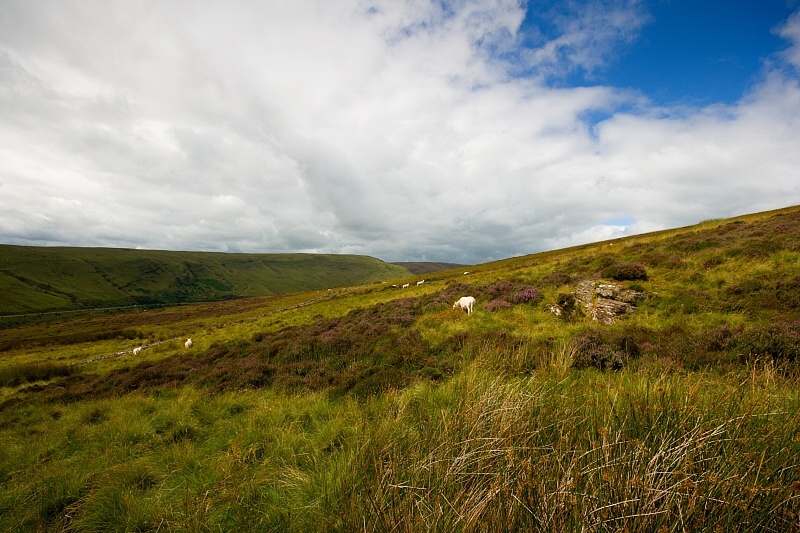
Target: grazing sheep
x=420, y=282
x=406, y=285
x=137, y=350
x=465, y=302
x=465, y=273
x=188, y=343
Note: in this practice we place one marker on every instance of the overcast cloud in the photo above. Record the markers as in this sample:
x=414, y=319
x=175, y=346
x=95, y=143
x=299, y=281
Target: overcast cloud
x=401, y=130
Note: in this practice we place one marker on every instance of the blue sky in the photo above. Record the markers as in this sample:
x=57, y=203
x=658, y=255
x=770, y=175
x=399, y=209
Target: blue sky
x=676, y=52
x=699, y=53
x=415, y=130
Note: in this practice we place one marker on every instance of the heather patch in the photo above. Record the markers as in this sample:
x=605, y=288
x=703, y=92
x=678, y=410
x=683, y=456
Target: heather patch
x=625, y=271
x=496, y=305
x=760, y=292
x=779, y=341
x=607, y=349
x=365, y=352
x=526, y=296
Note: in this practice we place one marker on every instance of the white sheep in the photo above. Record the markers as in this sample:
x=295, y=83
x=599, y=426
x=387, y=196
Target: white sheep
x=188, y=343
x=420, y=282
x=406, y=285
x=137, y=350
x=465, y=302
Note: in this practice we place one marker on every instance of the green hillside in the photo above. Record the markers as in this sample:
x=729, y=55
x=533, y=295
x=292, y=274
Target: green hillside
x=650, y=383
x=426, y=267
x=36, y=279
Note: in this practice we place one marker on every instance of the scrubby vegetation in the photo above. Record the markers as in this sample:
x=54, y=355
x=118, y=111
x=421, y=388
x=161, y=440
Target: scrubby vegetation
x=383, y=409
x=11, y=376
x=625, y=271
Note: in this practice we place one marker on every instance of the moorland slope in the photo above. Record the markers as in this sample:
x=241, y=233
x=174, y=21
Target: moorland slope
x=373, y=408
x=40, y=279
x=420, y=267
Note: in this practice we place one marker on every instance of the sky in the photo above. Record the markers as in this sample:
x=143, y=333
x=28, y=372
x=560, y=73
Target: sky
x=409, y=130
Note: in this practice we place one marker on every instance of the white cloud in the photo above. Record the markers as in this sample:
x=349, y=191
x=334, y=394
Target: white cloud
x=791, y=32
x=401, y=130
x=588, y=34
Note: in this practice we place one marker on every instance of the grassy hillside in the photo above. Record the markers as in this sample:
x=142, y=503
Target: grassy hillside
x=373, y=408
x=36, y=279
x=420, y=268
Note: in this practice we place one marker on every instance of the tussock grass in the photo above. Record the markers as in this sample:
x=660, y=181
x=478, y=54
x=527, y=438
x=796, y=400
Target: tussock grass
x=11, y=376
x=560, y=450
x=585, y=452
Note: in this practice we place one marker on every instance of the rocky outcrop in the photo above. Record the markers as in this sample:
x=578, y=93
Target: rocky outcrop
x=603, y=302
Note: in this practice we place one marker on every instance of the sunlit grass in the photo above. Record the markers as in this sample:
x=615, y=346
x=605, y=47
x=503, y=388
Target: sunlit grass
x=177, y=458
x=558, y=450
x=588, y=451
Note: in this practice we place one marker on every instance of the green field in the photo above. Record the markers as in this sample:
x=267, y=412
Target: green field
x=372, y=408
x=39, y=279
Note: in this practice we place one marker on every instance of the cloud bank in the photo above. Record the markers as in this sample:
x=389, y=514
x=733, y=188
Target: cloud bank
x=407, y=130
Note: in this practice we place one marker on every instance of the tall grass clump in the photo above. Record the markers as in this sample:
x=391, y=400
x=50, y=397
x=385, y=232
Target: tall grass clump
x=15, y=375
x=586, y=452
x=625, y=271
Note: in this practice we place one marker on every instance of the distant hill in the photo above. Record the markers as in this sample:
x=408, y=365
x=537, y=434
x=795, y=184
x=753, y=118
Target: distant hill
x=39, y=279
x=427, y=268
